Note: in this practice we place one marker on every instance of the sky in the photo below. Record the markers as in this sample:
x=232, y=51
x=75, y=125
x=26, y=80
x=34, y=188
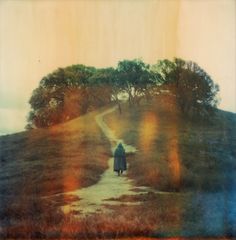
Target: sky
x=38, y=36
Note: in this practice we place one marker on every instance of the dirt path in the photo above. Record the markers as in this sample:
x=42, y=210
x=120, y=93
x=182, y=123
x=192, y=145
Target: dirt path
x=94, y=198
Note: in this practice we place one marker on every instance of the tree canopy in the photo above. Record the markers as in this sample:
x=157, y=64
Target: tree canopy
x=193, y=88
x=74, y=90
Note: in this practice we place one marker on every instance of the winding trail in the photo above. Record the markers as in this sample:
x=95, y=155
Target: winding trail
x=94, y=198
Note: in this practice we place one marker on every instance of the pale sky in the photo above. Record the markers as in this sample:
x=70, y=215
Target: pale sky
x=38, y=36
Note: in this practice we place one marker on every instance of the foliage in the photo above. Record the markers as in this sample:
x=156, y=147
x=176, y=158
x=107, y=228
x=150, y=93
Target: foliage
x=134, y=78
x=194, y=90
x=100, y=87
x=72, y=91
x=61, y=95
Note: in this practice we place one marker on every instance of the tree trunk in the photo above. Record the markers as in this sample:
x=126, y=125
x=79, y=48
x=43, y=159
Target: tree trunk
x=118, y=103
x=119, y=106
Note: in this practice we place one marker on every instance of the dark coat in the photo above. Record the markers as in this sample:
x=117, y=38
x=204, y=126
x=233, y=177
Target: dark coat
x=120, y=159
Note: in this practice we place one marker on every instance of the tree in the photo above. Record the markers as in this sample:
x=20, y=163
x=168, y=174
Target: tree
x=108, y=79
x=72, y=91
x=134, y=78
x=193, y=88
x=46, y=107
x=67, y=93
x=100, y=88
x=79, y=88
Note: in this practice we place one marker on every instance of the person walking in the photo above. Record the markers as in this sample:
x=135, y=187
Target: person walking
x=120, y=160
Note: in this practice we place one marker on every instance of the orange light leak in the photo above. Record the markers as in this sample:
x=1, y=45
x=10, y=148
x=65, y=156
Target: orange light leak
x=173, y=148
x=148, y=130
x=70, y=181
x=173, y=158
x=68, y=145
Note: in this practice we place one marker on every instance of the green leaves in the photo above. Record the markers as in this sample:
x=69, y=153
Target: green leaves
x=135, y=79
x=69, y=92
x=193, y=88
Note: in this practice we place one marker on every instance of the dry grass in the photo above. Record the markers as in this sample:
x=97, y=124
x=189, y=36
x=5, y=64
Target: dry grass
x=58, y=159
x=174, y=152
x=48, y=161
x=158, y=217
x=123, y=221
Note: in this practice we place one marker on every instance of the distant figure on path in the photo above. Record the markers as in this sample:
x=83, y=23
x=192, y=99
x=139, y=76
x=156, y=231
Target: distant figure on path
x=120, y=160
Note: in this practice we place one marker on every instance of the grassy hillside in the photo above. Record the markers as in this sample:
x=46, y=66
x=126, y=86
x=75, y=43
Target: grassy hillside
x=42, y=162
x=174, y=152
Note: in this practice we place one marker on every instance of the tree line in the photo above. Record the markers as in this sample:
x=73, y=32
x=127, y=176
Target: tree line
x=75, y=90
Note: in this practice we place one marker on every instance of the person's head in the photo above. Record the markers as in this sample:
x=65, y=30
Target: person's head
x=120, y=145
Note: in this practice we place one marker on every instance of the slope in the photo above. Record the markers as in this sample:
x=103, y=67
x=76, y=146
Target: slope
x=174, y=152
x=42, y=162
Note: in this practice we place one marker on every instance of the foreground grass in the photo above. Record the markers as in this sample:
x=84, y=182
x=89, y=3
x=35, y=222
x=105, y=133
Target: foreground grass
x=157, y=216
